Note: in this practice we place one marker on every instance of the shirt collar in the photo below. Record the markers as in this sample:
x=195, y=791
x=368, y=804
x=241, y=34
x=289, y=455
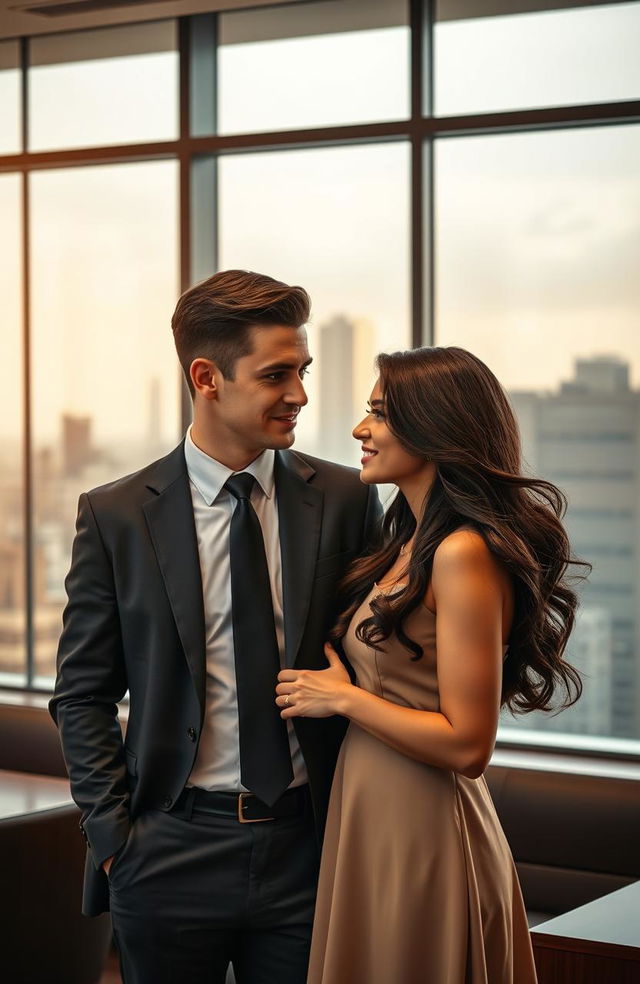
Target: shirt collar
x=209, y=475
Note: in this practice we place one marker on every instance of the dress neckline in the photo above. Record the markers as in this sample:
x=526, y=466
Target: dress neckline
x=398, y=584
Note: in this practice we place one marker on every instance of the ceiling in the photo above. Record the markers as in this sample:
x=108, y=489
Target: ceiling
x=20, y=18
x=24, y=18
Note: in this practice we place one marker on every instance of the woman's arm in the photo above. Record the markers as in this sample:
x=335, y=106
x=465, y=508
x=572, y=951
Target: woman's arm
x=471, y=591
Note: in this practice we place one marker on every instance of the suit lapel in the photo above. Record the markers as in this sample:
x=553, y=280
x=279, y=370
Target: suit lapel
x=300, y=520
x=169, y=517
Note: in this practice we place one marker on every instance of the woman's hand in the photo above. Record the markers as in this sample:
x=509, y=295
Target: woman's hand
x=313, y=693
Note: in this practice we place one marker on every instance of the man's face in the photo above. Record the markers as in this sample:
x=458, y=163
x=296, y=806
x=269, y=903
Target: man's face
x=258, y=408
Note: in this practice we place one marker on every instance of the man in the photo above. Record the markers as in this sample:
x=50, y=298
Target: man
x=192, y=583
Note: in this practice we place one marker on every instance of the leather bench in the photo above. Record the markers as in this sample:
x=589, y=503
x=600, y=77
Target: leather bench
x=46, y=939
x=574, y=836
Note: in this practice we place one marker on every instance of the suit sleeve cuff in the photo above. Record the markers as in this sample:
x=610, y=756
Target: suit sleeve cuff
x=105, y=836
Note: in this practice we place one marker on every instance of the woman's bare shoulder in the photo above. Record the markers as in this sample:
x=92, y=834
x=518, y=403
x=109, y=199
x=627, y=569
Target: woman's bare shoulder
x=462, y=547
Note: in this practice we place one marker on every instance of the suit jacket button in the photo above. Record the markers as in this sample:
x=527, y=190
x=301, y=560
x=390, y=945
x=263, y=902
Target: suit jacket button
x=192, y=734
x=167, y=801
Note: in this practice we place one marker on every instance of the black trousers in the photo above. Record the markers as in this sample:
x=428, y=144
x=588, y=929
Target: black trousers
x=191, y=896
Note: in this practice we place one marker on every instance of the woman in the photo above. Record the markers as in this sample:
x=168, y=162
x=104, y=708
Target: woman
x=462, y=609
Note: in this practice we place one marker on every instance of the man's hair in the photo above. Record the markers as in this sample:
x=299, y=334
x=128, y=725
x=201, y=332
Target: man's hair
x=213, y=320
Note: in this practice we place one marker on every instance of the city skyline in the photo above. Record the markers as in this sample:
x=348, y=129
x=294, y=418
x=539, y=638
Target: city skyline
x=594, y=409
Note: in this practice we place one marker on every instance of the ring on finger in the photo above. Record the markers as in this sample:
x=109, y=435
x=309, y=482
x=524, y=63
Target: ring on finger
x=286, y=700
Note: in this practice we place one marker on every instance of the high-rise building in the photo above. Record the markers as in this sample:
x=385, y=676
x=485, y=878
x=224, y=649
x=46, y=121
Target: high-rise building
x=347, y=351
x=154, y=421
x=77, y=452
x=590, y=650
x=586, y=439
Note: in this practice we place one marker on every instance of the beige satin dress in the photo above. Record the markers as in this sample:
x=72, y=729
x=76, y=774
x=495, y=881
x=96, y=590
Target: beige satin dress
x=417, y=882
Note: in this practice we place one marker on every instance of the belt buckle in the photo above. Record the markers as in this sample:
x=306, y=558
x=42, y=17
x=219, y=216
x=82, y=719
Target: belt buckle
x=241, y=817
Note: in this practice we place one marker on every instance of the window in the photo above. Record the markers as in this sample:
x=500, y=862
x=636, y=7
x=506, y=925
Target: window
x=334, y=220
x=312, y=65
x=491, y=58
x=537, y=247
x=538, y=239
x=110, y=86
x=501, y=216
x=104, y=281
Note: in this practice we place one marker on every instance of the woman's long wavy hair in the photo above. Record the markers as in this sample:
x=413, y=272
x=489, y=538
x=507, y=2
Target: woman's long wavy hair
x=445, y=405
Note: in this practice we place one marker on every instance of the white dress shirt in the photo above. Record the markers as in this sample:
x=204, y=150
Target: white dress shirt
x=217, y=764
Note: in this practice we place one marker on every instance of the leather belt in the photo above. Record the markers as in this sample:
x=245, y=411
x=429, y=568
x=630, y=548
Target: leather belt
x=243, y=807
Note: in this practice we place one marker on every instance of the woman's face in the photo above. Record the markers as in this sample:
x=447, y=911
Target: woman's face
x=383, y=457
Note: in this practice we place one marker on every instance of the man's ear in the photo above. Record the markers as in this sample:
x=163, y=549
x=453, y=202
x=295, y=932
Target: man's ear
x=205, y=377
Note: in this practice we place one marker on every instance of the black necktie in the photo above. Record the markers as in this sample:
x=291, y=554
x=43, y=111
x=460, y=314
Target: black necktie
x=265, y=759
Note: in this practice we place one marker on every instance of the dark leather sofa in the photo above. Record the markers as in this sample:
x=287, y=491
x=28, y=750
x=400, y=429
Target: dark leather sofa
x=574, y=835
x=45, y=939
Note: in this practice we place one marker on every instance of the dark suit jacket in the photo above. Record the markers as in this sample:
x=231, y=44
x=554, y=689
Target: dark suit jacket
x=135, y=621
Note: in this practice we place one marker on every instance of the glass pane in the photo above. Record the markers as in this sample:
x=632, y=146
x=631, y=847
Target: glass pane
x=335, y=221
x=105, y=379
x=110, y=86
x=538, y=246
x=10, y=100
x=545, y=58
x=12, y=557
x=321, y=64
